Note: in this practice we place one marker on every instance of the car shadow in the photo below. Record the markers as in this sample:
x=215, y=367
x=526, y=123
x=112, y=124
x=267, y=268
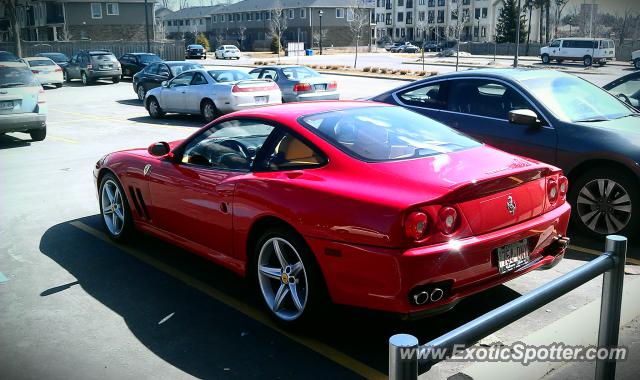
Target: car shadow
x=131, y=102
x=95, y=83
x=200, y=335
x=8, y=142
x=174, y=120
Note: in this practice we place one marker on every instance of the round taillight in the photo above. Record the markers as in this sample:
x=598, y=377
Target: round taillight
x=448, y=220
x=563, y=185
x=552, y=190
x=416, y=225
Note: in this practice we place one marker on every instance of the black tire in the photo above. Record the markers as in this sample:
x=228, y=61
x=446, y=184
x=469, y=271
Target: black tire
x=587, y=60
x=209, y=111
x=636, y=63
x=140, y=92
x=128, y=227
x=65, y=76
x=154, y=108
x=58, y=85
x=85, y=79
x=545, y=59
x=116, y=79
x=559, y=60
x=38, y=134
x=625, y=183
x=317, y=299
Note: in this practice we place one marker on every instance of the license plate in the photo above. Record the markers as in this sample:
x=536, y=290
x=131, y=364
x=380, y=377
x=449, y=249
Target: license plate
x=105, y=67
x=6, y=105
x=261, y=99
x=513, y=256
x=320, y=87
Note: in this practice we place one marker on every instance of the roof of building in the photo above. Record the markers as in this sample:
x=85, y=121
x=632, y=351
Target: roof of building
x=258, y=5
x=194, y=12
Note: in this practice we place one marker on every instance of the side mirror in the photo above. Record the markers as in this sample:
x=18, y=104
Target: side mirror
x=159, y=149
x=164, y=83
x=524, y=117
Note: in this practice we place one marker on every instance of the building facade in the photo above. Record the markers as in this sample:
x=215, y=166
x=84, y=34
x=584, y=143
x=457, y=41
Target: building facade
x=58, y=20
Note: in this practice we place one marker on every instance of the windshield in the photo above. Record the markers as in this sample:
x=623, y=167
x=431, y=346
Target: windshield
x=299, y=72
x=149, y=58
x=56, y=57
x=40, y=62
x=103, y=58
x=8, y=57
x=228, y=75
x=387, y=133
x=178, y=69
x=573, y=99
x=16, y=77
x=195, y=47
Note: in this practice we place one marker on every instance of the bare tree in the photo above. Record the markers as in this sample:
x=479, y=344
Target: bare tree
x=461, y=19
x=422, y=26
x=623, y=28
x=241, y=34
x=358, y=19
x=13, y=20
x=560, y=5
x=278, y=25
x=183, y=4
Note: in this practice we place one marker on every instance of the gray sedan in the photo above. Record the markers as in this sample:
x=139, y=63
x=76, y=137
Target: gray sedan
x=210, y=93
x=299, y=83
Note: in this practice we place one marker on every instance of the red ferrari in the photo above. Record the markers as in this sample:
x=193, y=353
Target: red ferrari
x=357, y=203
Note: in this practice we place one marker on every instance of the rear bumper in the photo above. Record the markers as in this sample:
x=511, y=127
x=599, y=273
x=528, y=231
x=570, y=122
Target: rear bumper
x=382, y=279
x=104, y=74
x=22, y=122
x=329, y=95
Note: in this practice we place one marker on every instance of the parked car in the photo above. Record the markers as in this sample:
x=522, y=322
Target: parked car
x=587, y=50
x=60, y=59
x=398, y=48
x=430, y=46
x=195, y=51
x=299, y=83
x=211, y=93
x=156, y=73
x=552, y=117
x=390, y=46
x=227, y=52
x=6, y=56
x=635, y=59
x=47, y=72
x=627, y=89
x=244, y=192
x=22, y=101
x=131, y=63
x=409, y=48
x=91, y=65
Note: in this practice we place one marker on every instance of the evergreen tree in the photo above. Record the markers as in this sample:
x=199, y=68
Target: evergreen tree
x=507, y=23
x=203, y=40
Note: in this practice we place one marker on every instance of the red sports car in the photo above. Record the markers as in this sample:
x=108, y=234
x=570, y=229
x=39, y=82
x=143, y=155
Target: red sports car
x=358, y=203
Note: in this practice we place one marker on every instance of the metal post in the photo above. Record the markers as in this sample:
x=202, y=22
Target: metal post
x=320, y=16
x=146, y=25
x=515, y=57
x=403, y=357
x=610, y=307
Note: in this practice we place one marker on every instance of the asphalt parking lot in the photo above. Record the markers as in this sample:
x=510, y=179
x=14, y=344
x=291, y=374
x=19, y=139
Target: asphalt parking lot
x=76, y=305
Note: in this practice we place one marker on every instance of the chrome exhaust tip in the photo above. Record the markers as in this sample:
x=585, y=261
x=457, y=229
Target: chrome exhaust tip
x=421, y=298
x=436, y=295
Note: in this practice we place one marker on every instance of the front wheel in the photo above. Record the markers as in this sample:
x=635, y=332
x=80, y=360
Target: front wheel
x=287, y=276
x=154, y=109
x=141, y=92
x=114, y=208
x=38, y=134
x=85, y=79
x=603, y=201
x=545, y=58
x=636, y=63
x=58, y=85
x=586, y=60
x=209, y=111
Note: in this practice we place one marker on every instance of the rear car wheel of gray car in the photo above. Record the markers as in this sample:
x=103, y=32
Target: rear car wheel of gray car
x=154, y=109
x=209, y=111
x=141, y=92
x=114, y=208
x=603, y=201
x=85, y=79
x=38, y=134
x=116, y=79
x=65, y=76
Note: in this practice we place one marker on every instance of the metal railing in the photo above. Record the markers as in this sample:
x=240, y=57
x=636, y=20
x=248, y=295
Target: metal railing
x=405, y=362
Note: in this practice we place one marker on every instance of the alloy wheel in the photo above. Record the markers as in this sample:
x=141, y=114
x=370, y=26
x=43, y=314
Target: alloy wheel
x=604, y=206
x=209, y=111
x=140, y=92
x=112, y=207
x=283, y=279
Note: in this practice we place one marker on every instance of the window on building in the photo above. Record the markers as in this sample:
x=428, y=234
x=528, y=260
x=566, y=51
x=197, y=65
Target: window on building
x=466, y=2
x=431, y=3
x=181, y=22
x=214, y=18
x=349, y=14
x=339, y=12
x=477, y=13
x=268, y=15
x=96, y=10
x=112, y=9
x=420, y=2
x=401, y=3
x=475, y=31
x=441, y=3
x=409, y=17
x=402, y=32
x=400, y=16
x=290, y=14
x=483, y=31
x=431, y=17
x=440, y=16
x=188, y=22
x=409, y=3
x=421, y=16
x=484, y=12
x=465, y=14
x=303, y=13
x=201, y=21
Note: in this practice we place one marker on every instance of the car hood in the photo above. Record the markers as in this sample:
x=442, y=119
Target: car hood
x=628, y=126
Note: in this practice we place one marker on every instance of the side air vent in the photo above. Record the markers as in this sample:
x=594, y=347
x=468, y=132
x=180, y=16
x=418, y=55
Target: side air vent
x=142, y=204
x=135, y=201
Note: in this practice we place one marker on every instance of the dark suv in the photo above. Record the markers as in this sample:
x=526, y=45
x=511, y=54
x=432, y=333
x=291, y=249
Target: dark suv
x=195, y=51
x=89, y=65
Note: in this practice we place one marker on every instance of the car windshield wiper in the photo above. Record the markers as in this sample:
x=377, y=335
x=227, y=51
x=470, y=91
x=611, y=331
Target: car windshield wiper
x=11, y=84
x=591, y=120
x=627, y=115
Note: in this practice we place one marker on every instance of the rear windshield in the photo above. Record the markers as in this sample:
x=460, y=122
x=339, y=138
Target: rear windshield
x=57, y=57
x=41, y=62
x=178, y=69
x=195, y=47
x=16, y=77
x=103, y=58
x=8, y=57
x=228, y=75
x=149, y=58
x=299, y=72
x=386, y=133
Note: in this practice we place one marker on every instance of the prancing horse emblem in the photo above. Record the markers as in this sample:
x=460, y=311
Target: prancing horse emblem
x=511, y=205
x=147, y=169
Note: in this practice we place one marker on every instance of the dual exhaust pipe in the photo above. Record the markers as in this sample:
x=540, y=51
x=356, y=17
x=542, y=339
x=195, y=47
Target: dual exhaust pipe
x=422, y=297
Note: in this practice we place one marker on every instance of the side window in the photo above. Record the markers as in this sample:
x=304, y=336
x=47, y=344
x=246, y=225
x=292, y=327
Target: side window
x=198, y=79
x=181, y=80
x=230, y=145
x=269, y=74
x=255, y=74
x=555, y=44
x=485, y=98
x=289, y=153
x=428, y=96
x=152, y=69
x=163, y=71
x=567, y=44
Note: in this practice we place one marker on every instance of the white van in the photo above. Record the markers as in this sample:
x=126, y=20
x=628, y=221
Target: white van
x=635, y=59
x=587, y=50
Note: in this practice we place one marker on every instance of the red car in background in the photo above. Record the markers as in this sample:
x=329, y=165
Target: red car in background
x=359, y=203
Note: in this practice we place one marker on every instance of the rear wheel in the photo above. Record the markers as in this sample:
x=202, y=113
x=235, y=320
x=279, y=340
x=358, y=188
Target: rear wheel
x=85, y=79
x=586, y=60
x=38, y=134
x=114, y=208
x=545, y=58
x=209, y=111
x=141, y=92
x=559, y=60
x=58, y=85
x=603, y=201
x=636, y=63
x=116, y=79
x=65, y=76
x=154, y=109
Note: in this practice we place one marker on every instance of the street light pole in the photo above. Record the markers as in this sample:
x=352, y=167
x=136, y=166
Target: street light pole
x=515, y=57
x=146, y=25
x=320, y=15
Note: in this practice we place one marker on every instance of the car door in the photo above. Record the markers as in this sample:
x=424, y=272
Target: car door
x=480, y=108
x=555, y=49
x=72, y=68
x=195, y=92
x=163, y=73
x=172, y=97
x=192, y=195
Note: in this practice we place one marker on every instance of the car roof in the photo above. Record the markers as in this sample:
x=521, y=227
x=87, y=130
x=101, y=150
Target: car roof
x=12, y=64
x=38, y=59
x=141, y=53
x=516, y=75
x=176, y=63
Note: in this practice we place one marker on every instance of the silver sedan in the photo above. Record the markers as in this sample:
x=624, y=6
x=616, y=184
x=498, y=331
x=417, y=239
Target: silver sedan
x=299, y=83
x=211, y=93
